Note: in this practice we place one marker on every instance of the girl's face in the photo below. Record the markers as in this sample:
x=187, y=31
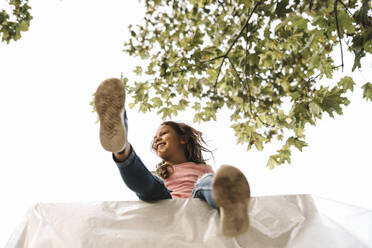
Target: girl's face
x=168, y=145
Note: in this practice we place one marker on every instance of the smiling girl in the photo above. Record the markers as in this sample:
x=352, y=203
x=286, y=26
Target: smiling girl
x=182, y=173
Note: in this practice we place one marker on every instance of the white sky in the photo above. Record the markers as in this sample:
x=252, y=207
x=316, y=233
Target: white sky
x=49, y=145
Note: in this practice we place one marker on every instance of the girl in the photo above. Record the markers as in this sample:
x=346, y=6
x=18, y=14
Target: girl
x=182, y=173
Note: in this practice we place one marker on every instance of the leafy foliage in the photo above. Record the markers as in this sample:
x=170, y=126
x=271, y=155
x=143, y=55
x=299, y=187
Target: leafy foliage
x=367, y=91
x=11, y=29
x=262, y=60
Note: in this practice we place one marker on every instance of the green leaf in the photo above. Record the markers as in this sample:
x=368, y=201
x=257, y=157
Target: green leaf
x=299, y=144
x=368, y=46
x=167, y=112
x=299, y=131
x=367, y=91
x=23, y=25
x=332, y=100
x=347, y=83
x=314, y=61
x=315, y=109
x=281, y=6
x=299, y=22
x=138, y=70
x=12, y=25
x=346, y=22
x=271, y=162
x=196, y=106
x=157, y=102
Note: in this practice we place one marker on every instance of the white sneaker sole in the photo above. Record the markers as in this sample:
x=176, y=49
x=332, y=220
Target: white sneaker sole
x=109, y=102
x=231, y=193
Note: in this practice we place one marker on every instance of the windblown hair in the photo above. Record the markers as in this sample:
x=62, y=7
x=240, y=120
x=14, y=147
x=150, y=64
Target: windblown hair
x=193, y=148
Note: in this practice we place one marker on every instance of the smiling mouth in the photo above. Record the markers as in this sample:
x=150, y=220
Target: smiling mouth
x=160, y=145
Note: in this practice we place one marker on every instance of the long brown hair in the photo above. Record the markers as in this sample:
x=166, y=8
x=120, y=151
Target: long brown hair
x=193, y=148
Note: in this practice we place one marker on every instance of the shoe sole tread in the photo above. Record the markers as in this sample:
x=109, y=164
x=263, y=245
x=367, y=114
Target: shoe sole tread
x=109, y=102
x=231, y=193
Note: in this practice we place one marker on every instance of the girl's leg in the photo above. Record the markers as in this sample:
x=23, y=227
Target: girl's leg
x=139, y=179
x=109, y=101
x=203, y=189
x=231, y=193
x=228, y=191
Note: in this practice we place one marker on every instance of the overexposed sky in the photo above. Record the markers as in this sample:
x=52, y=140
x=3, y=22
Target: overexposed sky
x=49, y=144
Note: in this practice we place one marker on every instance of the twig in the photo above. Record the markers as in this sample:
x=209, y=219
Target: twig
x=337, y=66
x=221, y=4
x=250, y=97
x=225, y=55
x=347, y=10
x=218, y=74
x=241, y=31
x=242, y=82
x=219, y=57
x=245, y=73
x=248, y=88
x=334, y=67
x=237, y=73
x=339, y=34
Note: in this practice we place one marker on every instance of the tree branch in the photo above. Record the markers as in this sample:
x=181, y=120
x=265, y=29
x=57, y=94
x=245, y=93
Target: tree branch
x=221, y=4
x=339, y=35
x=225, y=55
x=245, y=72
x=242, y=82
x=250, y=97
x=334, y=67
x=241, y=31
x=246, y=80
x=347, y=10
x=218, y=74
x=237, y=73
x=219, y=57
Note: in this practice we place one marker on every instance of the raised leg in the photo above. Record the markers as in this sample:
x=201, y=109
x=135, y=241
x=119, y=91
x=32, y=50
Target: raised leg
x=231, y=193
x=109, y=101
x=110, y=105
x=203, y=189
x=139, y=179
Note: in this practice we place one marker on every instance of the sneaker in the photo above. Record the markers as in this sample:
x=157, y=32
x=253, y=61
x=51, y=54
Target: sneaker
x=231, y=193
x=109, y=102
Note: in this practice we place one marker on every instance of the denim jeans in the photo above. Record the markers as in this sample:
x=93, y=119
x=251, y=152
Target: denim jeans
x=149, y=187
